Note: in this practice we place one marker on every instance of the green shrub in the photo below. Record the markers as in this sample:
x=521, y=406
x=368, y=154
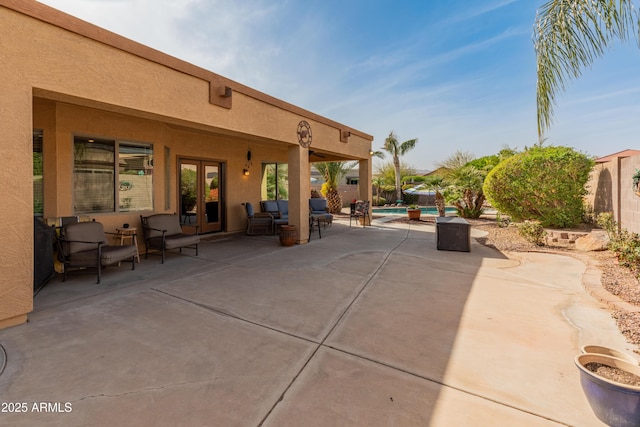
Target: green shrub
x=502, y=222
x=606, y=222
x=624, y=244
x=546, y=184
x=379, y=201
x=533, y=232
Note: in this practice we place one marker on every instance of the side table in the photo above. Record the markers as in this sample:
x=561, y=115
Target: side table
x=128, y=233
x=453, y=234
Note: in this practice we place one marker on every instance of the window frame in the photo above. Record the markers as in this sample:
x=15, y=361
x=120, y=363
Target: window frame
x=280, y=176
x=114, y=169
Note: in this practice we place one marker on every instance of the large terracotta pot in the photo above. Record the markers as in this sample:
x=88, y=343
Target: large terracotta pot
x=614, y=403
x=288, y=235
x=414, y=213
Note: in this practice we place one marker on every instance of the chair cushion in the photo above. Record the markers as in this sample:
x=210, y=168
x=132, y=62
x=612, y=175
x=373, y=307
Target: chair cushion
x=270, y=206
x=169, y=222
x=283, y=208
x=86, y=232
x=113, y=254
x=249, y=208
x=175, y=242
x=318, y=205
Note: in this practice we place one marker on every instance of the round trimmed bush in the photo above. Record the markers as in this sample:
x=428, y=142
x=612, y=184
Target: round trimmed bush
x=546, y=184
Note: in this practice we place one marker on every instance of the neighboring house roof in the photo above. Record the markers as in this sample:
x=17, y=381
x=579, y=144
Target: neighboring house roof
x=624, y=153
x=440, y=171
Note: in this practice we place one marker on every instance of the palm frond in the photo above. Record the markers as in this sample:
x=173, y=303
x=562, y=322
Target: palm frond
x=333, y=172
x=568, y=36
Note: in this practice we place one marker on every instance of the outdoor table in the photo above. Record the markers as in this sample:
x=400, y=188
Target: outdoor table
x=128, y=233
x=453, y=234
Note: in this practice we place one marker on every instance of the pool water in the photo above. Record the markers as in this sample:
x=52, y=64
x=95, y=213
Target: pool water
x=428, y=211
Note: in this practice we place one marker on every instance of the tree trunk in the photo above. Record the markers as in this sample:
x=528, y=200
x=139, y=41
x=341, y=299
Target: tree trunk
x=334, y=201
x=479, y=201
x=440, y=203
x=396, y=164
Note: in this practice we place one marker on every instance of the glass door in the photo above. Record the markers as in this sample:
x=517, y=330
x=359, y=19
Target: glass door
x=201, y=194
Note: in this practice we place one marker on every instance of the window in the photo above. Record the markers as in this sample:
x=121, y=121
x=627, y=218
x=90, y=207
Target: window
x=275, y=181
x=100, y=186
x=38, y=184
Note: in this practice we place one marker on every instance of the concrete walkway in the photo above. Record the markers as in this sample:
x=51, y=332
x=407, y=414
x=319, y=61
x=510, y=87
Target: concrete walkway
x=364, y=327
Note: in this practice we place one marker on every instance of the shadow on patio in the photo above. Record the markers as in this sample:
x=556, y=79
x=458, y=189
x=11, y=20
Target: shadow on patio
x=366, y=326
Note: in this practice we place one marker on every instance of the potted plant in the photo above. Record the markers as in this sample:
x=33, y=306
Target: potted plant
x=612, y=388
x=413, y=212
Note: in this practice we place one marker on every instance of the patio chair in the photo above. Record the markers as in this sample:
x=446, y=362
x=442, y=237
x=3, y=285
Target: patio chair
x=164, y=232
x=279, y=210
x=258, y=221
x=319, y=208
x=84, y=245
x=360, y=211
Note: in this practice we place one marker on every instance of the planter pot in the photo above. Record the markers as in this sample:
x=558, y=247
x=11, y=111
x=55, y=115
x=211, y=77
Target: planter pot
x=288, y=235
x=606, y=351
x=614, y=403
x=414, y=213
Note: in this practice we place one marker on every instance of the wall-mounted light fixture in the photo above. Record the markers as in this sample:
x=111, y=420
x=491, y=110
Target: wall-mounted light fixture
x=225, y=92
x=344, y=135
x=247, y=165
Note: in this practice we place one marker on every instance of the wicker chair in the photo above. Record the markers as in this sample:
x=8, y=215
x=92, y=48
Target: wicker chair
x=258, y=222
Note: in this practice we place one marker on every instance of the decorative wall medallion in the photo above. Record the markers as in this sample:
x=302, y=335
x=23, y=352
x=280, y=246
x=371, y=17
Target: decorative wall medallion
x=304, y=134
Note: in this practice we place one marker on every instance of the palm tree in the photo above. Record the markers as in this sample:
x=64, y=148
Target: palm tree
x=466, y=192
x=393, y=147
x=333, y=173
x=436, y=183
x=377, y=182
x=568, y=36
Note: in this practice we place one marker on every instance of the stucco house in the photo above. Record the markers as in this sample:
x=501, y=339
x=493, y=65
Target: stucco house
x=97, y=125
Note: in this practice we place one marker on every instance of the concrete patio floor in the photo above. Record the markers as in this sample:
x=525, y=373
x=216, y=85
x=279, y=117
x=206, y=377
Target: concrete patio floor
x=365, y=327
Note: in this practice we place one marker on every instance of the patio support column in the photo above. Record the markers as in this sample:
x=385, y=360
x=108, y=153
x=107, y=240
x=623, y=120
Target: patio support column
x=364, y=182
x=299, y=191
x=16, y=209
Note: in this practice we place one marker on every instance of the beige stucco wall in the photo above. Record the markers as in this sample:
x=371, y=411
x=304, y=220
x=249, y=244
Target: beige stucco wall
x=629, y=201
x=611, y=190
x=604, y=189
x=16, y=210
x=67, y=77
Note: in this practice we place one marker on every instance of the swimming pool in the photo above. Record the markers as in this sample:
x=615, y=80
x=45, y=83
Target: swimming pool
x=428, y=211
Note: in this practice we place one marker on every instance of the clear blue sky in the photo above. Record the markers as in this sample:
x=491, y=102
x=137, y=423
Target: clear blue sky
x=456, y=74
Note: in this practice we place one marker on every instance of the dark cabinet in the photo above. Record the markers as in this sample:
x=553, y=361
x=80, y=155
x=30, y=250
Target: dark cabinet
x=453, y=234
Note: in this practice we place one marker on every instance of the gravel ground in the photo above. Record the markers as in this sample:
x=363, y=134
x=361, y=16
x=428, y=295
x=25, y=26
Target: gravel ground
x=616, y=279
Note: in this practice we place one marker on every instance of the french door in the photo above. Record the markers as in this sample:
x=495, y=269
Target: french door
x=201, y=184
